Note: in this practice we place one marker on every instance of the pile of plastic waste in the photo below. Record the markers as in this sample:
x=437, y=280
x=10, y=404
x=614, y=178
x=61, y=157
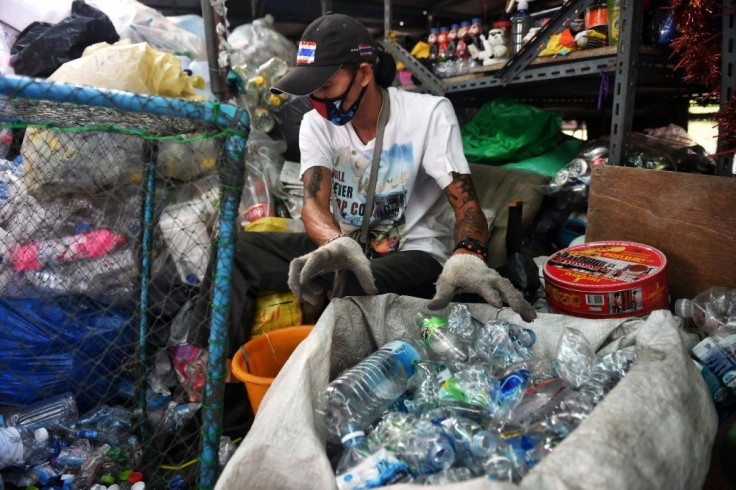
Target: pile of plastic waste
x=462, y=400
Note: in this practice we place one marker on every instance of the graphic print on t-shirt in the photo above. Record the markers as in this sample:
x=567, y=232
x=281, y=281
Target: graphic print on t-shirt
x=350, y=176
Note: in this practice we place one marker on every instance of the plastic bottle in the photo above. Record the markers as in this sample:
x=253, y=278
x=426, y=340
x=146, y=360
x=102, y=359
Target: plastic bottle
x=35, y=255
x=273, y=102
x=452, y=42
x=440, y=340
x=499, y=468
x=521, y=22
x=20, y=445
x=177, y=415
x=359, y=467
x=614, y=21
x=263, y=120
x=45, y=413
x=712, y=311
x=357, y=397
x=476, y=28
x=433, y=46
x=426, y=449
x=255, y=202
x=442, y=41
x=273, y=69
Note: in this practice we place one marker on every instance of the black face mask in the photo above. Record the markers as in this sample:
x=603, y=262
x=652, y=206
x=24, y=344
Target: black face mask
x=331, y=109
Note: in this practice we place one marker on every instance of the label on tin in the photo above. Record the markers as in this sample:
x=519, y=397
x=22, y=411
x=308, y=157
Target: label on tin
x=606, y=279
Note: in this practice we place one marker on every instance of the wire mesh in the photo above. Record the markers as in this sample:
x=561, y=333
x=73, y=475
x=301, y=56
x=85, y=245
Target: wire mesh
x=110, y=206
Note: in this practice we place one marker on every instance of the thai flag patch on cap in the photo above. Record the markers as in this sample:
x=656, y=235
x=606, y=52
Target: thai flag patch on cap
x=365, y=49
x=305, y=52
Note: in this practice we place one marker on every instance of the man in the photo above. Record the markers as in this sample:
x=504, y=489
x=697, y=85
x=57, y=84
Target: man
x=425, y=207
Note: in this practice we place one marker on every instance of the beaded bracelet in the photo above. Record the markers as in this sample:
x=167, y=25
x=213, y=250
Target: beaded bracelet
x=473, y=245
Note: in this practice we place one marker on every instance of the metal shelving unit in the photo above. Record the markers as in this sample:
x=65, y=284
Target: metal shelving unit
x=631, y=66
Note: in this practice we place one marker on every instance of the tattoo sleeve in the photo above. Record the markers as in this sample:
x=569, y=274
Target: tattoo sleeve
x=469, y=218
x=312, y=182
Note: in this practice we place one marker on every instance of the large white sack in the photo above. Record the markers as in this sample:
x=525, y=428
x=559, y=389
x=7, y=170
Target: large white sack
x=654, y=430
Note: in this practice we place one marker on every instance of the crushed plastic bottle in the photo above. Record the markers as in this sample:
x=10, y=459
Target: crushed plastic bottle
x=426, y=449
x=45, y=413
x=359, y=467
x=35, y=255
x=713, y=311
x=442, y=342
x=357, y=397
x=575, y=357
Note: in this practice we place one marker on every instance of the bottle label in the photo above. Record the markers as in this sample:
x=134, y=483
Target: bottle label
x=405, y=353
x=430, y=324
x=257, y=211
x=11, y=447
x=378, y=469
x=715, y=358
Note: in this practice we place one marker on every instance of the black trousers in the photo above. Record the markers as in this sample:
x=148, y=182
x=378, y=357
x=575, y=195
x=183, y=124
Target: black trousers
x=262, y=260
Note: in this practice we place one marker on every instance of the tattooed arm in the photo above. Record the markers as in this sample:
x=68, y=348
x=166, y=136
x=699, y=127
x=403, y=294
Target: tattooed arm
x=470, y=222
x=319, y=222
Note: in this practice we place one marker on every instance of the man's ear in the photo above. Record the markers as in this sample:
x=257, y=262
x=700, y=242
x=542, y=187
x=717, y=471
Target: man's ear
x=366, y=71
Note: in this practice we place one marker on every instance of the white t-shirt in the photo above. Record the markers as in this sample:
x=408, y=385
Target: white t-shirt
x=421, y=147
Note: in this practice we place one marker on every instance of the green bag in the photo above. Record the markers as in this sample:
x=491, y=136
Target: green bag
x=505, y=131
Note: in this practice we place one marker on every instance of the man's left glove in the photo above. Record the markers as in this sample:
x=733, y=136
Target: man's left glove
x=466, y=273
x=339, y=254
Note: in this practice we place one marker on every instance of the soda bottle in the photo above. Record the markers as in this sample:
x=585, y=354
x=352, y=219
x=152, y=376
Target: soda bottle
x=356, y=399
x=442, y=44
x=461, y=51
x=21, y=445
x=713, y=311
x=35, y=255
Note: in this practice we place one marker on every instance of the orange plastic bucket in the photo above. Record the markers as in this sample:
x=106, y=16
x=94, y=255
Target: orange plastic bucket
x=267, y=353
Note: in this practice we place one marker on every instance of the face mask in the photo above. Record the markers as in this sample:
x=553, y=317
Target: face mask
x=331, y=110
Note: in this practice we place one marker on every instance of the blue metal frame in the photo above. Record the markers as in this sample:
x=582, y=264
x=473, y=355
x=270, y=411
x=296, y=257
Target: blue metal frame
x=233, y=119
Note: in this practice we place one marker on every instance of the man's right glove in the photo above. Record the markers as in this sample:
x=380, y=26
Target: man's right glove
x=466, y=273
x=339, y=254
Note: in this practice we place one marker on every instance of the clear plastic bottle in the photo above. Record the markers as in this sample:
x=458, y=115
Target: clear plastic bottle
x=520, y=25
x=359, y=467
x=20, y=445
x=445, y=344
x=713, y=311
x=499, y=468
x=45, y=413
x=356, y=398
x=433, y=46
x=255, y=202
x=273, y=69
x=426, y=449
x=263, y=120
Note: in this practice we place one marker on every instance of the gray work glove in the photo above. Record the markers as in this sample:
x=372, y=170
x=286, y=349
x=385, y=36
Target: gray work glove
x=342, y=253
x=465, y=273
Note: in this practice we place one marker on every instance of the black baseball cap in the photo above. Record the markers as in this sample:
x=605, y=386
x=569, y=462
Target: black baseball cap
x=327, y=43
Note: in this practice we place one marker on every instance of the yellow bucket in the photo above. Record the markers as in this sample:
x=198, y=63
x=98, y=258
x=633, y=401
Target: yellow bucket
x=267, y=353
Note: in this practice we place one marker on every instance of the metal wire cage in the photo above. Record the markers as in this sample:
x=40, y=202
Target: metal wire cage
x=110, y=204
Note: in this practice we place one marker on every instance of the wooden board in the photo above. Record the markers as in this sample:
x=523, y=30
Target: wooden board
x=689, y=217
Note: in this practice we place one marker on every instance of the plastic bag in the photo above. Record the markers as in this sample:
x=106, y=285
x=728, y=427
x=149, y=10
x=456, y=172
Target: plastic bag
x=139, y=23
x=53, y=346
x=41, y=48
x=256, y=43
x=504, y=131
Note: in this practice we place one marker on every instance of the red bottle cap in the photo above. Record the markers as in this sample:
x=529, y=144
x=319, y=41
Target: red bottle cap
x=135, y=477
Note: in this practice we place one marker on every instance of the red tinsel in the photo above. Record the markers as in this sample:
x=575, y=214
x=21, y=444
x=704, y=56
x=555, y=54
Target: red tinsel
x=699, y=48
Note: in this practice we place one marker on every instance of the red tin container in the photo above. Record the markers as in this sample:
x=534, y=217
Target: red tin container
x=606, y=280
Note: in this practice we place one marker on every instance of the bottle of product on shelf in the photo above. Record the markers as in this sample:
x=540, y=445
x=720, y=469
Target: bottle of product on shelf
x=452, y=42
x=433, y=46
x=521, y=22
x=21, y=445
x=614, y=21
x=474, y=32
x=442, y=42
x=463, y=32
x=712, y=311
x=35, y=255
x=359, y=395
